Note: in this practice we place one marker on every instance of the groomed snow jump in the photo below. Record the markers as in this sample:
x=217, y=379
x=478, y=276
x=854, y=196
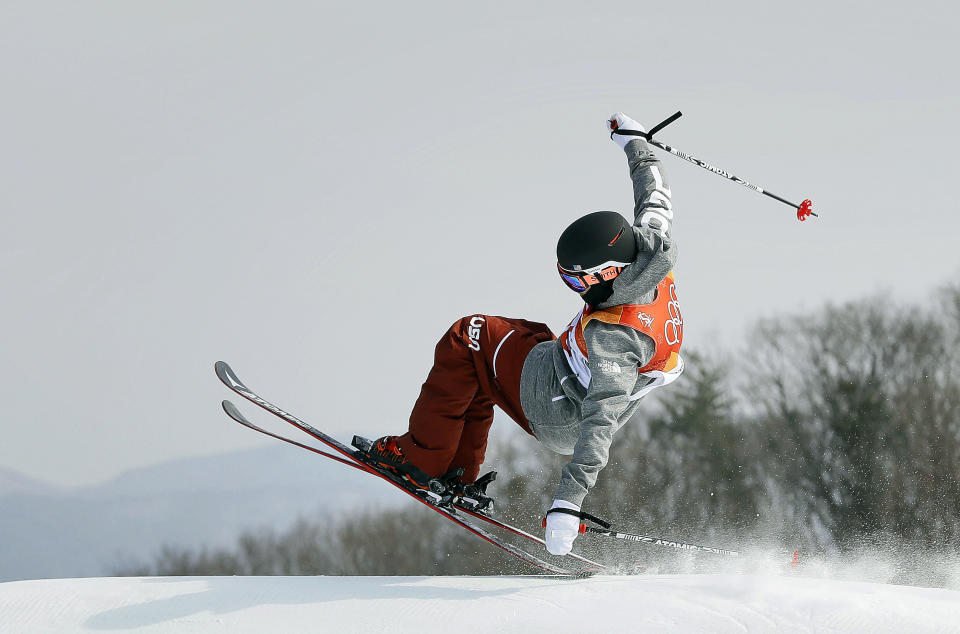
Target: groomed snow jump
x=652, y=603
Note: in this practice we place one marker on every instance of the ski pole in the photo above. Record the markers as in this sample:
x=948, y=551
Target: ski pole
x=657, y=541
x=606, y=531
x=804, y=209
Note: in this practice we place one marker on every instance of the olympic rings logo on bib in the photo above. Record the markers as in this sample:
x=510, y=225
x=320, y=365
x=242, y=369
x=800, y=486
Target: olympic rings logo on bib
x=673, y=328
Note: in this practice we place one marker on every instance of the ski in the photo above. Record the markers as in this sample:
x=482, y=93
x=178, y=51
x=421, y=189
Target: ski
x=230, y=379
x=587, y=565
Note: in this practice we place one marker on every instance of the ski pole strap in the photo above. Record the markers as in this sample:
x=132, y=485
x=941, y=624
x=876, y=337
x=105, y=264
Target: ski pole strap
x=649, y=135
x=579, y=514
x=660, y=126
x=619, y=132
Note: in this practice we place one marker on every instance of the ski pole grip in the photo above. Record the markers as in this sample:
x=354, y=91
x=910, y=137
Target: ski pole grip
x=582, y=529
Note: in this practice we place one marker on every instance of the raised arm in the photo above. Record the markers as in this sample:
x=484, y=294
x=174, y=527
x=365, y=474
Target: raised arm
x=652, y=206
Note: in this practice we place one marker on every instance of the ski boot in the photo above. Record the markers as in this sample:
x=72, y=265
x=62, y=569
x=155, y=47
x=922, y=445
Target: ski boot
x=384, y=455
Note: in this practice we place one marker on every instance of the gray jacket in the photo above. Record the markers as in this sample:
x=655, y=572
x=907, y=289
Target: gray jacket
x=569, y=418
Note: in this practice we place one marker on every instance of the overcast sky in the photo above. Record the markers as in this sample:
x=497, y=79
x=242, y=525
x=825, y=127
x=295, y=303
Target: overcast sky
x=315, y=191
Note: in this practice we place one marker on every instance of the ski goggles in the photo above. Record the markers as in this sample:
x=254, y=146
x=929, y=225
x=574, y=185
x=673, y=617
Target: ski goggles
x=580, y=281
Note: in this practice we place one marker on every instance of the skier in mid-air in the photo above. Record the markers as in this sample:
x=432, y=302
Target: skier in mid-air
x=574, y=392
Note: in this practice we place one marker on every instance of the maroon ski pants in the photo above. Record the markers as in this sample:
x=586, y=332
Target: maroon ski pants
x=476, y=365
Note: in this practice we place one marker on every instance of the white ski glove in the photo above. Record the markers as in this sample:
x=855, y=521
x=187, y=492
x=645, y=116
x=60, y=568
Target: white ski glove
x=620, y=121
x=562, y=528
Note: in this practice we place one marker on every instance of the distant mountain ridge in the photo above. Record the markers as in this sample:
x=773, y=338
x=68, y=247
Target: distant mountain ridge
x=15, y=482
x=50, y=531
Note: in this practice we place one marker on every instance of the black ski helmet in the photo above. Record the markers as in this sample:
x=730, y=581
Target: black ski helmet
x=603, y=236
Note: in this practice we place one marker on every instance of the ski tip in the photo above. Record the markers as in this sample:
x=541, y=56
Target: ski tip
x=234, y=413
x=226, y=374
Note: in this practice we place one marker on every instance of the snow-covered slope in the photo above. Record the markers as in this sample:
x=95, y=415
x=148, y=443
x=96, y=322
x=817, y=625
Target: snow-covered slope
x=653, y=603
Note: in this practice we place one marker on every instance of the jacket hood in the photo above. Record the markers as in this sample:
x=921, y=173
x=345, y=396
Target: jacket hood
x=656, y=257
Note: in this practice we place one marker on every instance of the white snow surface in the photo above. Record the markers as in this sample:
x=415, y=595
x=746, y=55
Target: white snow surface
x=647, y=603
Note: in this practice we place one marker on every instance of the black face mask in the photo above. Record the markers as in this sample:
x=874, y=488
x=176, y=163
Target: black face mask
x=598, y=293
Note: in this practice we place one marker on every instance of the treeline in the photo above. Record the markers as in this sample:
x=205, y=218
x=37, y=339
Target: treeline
x=829, y=431
x=412, y=541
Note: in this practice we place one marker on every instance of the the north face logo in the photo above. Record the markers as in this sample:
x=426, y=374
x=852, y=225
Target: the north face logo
x=605, y=365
